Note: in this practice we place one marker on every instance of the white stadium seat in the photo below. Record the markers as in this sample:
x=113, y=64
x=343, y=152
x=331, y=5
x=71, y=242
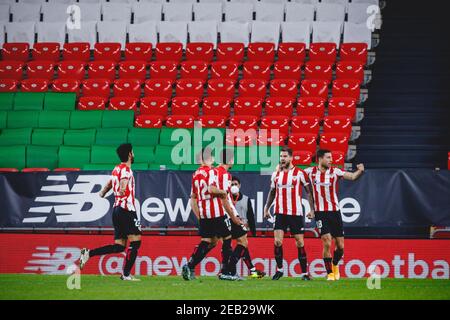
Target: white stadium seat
x=203, y=31
x=147, y=11
x=357, y=12
x=173, y=32
x=341, y=2
x=20, y=32
x=90, y=11
x=235, y=32
x=54, y=12
x=26, y=12
x=238, y=12
x=87, y=33
x=4, y=12
x=143, y=32
x=51, y=32
x=272, y=12
x=327, y=32
x=299, y=12
x=177, y=11
x=208, y=11
x=375, y=2
x=330, y=12
x=296, y=32
x=116, y=12
x=112, y=31
x=266, y=32
x=357, y=32
x=2, y=33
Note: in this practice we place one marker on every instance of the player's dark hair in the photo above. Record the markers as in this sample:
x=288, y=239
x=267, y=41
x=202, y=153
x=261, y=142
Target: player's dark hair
x=226, y=156
x=123, y=151
x=234, y=178
x=321, y=153
x=205, y=154
x=287, y=149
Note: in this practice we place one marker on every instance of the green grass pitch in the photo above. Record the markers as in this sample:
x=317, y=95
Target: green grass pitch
x=210, y=288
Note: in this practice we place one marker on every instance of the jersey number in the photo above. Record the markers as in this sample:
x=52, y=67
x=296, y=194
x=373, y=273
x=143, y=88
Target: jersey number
x=202, y=187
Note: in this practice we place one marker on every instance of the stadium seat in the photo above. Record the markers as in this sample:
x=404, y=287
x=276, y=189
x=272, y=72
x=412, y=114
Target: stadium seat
x=144, y=136
x=18, y=136
x=146, y=11
x=216, y=106
x=111, y=32
x=51, y=32
x=86, y=119
x=16, y=51
x=8, y=85
x=34, y=85
x=203, y=32
x=22, y=119
x=123, y=103
x=296, y=32
x=338, y=158
x=78, y=51
x=118, y=119
x=341, y=106
x=239, y=12
x=261, y=51
x=173, y=32
x=286, y=88
x=143, y=155
x=346, y=88
x=225, y=69
x=303, y=142
x=154, y=105
x=138, y=51
x=180, y=121
x=319, y=70
x=353, y=52
x=224, y=88
x=311, y=106
x=213, y=121
x=40, y=70
x=132, y=70
x=269, y=11
x=91, y=103
x=252, y=88
x=12, y=157
x=178, y=11
x=270, y=138
x=350, y=70
x=148, y=121
x=301, y=158
x=73, y=157
x=334, y=142
x=305, y=124
x=248, y=106
x=47, y=137
x=59, y=101
x=107, y=51
x=322, y=52
x=185, y=105
x=163, y=70
x=257, y=70
x=71, y=70
x=314, y=88
x=146, y=33
x=200, y=51
x=6, y=100
x=66, y=86
x=230, y=52
x=103, y=154
x=48, y=51
x=341, y=124
x=279, y=106
x=333, y=11
x=116, y=11
x=264, y=34
x=194, y=69
x=169, y=51
x=280, y=123
x=102, y=69
x=357, y=33
x=291, y=51
x=241, y=138
x=127, y=88
x=111, y=136
x=159, y=88
x=91, y=10
x=189, y=88
x=10, y=69
x=54, y=119
x=287, y=70
x=243, y=122
x=21, y=31
x=81, y=138
x=303, y=11
x=42, y=156
x=327, y=32
x=29, y=101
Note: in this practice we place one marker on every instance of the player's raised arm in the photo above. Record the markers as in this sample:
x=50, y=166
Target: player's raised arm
x=106, y=188
x=354, y=175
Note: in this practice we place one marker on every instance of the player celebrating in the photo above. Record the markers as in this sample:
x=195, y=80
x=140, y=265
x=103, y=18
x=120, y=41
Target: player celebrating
x=328, y=218
x=286, y=190
x=125, y=221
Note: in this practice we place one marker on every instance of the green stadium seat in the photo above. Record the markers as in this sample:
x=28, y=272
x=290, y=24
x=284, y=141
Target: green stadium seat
x=144, y=136
x=23, y=119
x=10, y=137
x=163, y=154
x=54, y=119
x=103, y=154
x=82, y=119
x=82, y=137
x=165, y=137
x=99, y=166
x=60, y=101
x=246, y=155
x=47, y=137
x=208, y=133
x=111, y=136
x=3, y=117
x=7, y=101
x=238, y=167
x=155, y=166
x=144, y=154
x=73, y=157
x=30, y=101
x=42, y=157
x=118, y=119
x=12, y=157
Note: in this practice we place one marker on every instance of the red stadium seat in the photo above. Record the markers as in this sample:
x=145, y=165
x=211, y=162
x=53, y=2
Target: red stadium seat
x=350, y=70
x=200, y=51
x=354, y=52
x=301, y=158
x=107, y=51
x=213, y=121
x=123, y=103
x=292, y=51
x=185, y=106
x=225, y=69
x=338, y=158
x=17, y=51
x=224, y=88
x=127, y=88
x=346, y=88
x=216, y=106
x=10, y=69
x=8, y=85
x=261, y=51
x=248, y=106
x=194, y=69
x=341, y=124
x=148, y=121
x=138, y=51
x=341, y=106
x=334, y=142
x=35, y=170
x=287, y=70
x=71, y=70
x=280, y=123
x=155, y=105
x=102, y=69
x=159, y=88
x=231, y=51
x=321, y=70
x=286, y=88
x=132, y=70
x=79, y=51
x=244, y=122
x=48, y=51
x=252, y=88
x=279, y=106
x=40, y=70
x=314, y=88
x=180, y=121
x=169, y=51
x=271, y=138
x=303, y=142
x=66, y=85
x=241, y=138
x=9, y=170
x=163, y=70
x=257, y=70
x=322, y=51
x=190, y=88
x=305, y=124
x=96, y=87
x=34, y=85
x=91, y=103
x=311, y=107
x=65, y=169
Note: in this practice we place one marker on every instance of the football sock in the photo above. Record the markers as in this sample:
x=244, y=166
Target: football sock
x=279, y=256
x=112, y=248
x=248, y=260
x=237, y=254
x=132, y=252
x=338, y=253
x=227, y=251
x=327, y=262
x=198, y=254
x=302, y=259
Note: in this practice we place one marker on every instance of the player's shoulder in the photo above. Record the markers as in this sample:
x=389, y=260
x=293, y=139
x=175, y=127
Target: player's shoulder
x=308, y=170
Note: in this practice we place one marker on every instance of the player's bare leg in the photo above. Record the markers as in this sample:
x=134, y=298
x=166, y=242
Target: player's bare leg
x=131, y=255
x=117, y=247
x=326, y=241
x=199, y=253
x=337, y=255
x=300, y=243
x=278, y=250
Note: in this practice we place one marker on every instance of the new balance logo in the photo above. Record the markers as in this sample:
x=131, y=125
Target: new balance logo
x=45, y=262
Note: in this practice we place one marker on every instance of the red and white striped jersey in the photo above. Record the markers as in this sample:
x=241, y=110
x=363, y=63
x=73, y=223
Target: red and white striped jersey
x=325, y=187
x=122, y=171
x=288, y=186
x=210, y=207
x=223, y=182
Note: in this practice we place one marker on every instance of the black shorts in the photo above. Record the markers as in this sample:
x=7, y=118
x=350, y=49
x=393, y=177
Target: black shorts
x=329, y=222
x=216, y=227
x=237, y=230
x=125, y=223
x=296, y=224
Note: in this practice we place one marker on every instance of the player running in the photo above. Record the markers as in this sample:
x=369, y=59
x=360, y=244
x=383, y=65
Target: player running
x=126, y=224
x=324, y=179
x=286, y=190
